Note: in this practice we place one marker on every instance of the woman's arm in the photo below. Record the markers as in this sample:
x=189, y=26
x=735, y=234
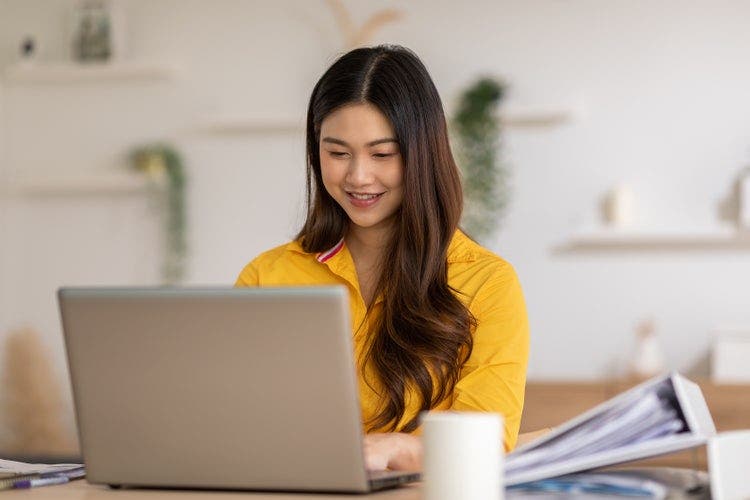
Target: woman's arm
x=493, y=379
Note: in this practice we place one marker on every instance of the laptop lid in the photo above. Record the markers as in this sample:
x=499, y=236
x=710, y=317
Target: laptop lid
x=250, y=388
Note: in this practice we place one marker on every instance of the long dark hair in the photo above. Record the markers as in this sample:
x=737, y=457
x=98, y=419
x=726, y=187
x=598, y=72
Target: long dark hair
x=424, y=334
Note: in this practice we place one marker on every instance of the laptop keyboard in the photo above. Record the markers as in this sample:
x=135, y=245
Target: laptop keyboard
x=389, y=478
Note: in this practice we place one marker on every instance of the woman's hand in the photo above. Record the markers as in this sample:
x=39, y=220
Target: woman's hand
x=393, y=450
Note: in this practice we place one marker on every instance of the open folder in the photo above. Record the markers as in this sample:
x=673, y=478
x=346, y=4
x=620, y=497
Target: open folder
x=662, y=415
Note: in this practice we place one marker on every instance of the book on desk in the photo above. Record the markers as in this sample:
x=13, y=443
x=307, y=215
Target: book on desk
x=662, y=415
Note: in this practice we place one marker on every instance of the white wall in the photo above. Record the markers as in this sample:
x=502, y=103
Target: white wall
x=659, y=96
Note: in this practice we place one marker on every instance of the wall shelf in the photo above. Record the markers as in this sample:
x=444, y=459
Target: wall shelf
x=93, y=184
x=720, y=238
x=515, y=116
x=534, y=118
x=247, y=125
x=70, y=72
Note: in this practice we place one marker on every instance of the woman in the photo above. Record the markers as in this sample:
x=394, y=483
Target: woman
x=438, y=321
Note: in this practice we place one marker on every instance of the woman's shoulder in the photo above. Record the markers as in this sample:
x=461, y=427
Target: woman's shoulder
x=468, y=253
x=275, y=258
x=474, y=269
x=273, y=255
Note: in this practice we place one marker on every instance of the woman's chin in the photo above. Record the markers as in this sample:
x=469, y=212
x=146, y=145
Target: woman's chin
x=371, y=223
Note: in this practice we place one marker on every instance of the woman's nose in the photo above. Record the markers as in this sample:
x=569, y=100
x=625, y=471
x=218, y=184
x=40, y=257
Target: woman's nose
x=359, y=172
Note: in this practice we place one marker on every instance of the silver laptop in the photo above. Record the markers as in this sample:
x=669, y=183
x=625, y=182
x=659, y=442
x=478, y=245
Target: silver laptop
x=250, y=388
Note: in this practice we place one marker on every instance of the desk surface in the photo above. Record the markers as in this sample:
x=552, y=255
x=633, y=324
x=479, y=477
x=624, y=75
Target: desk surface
x=81, y=490
x=681, y=479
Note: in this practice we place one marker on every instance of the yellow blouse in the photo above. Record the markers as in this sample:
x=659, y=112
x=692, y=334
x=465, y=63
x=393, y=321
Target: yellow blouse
x=494, y=376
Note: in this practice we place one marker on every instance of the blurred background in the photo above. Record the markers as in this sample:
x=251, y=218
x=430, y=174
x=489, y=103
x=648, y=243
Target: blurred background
x=624, y=142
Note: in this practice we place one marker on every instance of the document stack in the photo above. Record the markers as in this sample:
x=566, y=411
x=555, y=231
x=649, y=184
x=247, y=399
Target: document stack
x=662, y=415
x=21, y=475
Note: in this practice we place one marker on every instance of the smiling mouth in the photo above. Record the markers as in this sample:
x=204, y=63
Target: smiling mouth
x=364, y=196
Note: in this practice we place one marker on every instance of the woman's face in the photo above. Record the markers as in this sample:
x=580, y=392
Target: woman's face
x=361, y=164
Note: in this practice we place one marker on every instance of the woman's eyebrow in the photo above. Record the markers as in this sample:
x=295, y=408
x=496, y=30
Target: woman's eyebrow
x=346, y=144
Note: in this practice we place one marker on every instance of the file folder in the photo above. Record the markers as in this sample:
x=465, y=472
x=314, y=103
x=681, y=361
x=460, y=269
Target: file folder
x=662, y=415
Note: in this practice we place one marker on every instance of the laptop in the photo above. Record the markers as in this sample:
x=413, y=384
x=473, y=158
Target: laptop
x=247, y=389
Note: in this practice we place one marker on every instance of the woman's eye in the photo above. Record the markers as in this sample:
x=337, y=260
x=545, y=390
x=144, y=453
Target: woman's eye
x=337, y=154
x=382, y=155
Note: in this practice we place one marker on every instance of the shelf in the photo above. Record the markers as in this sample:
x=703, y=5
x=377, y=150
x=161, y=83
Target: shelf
x=534, y=118
x=647, y=239
x=69, y=72
x=239, y=125
x=247, y=125
x=94, y=184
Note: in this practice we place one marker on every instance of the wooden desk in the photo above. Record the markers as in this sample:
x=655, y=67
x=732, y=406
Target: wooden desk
x=679, y=480
x=81, y=490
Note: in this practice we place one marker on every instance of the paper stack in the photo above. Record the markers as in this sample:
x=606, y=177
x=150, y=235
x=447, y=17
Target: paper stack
x=14, y=475
x=660, y=416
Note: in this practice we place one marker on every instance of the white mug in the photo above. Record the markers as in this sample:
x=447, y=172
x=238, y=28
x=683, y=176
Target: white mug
x=463, y=456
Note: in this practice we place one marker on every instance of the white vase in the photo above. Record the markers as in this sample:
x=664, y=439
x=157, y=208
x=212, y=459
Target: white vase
x=648, y=358
x=619, y=206
x=743, y=216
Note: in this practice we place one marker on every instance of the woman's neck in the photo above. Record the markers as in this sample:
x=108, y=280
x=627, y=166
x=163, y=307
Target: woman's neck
x=367, y=247
x=367, y=244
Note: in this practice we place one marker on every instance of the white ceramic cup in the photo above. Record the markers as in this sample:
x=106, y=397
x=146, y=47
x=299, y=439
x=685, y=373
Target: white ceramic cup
x=463, y=456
